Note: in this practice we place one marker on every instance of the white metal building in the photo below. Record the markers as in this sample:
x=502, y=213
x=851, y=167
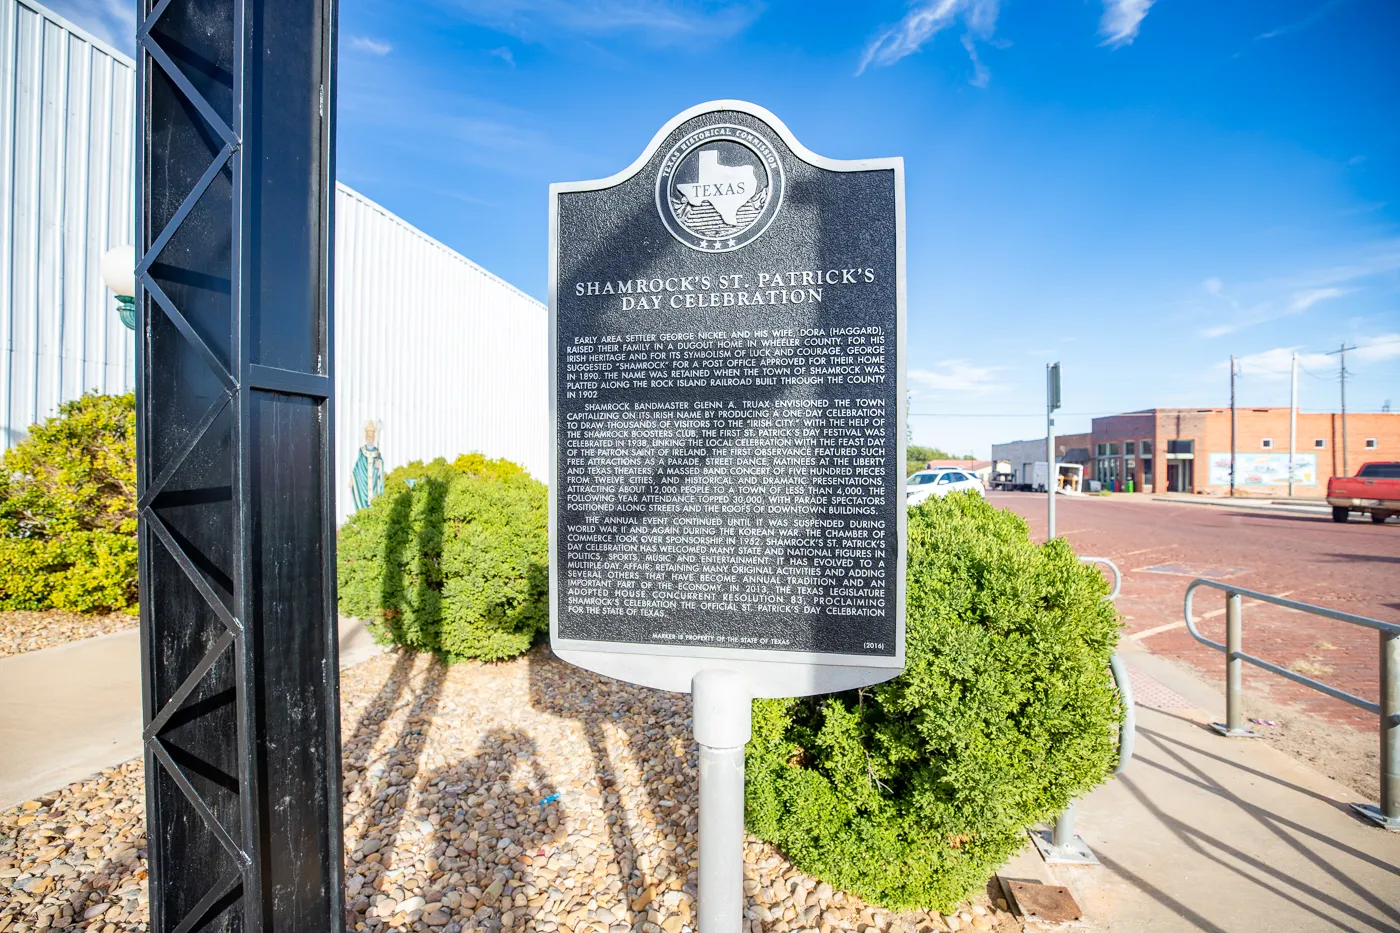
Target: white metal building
x=66, y=192
x=444, y=357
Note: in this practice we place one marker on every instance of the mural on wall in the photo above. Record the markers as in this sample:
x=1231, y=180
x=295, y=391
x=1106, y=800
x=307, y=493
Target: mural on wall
x=1263, y=469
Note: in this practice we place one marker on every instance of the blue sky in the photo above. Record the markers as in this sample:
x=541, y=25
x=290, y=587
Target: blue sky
x=1137, y=189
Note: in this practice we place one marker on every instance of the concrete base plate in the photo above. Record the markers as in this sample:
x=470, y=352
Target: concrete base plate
x=1234, y=733
x=1076, y=853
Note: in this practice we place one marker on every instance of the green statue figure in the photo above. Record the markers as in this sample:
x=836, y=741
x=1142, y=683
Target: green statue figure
x=367, y=481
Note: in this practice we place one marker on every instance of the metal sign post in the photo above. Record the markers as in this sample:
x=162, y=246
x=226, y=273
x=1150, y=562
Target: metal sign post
x=727, y=491
x=1052, y=470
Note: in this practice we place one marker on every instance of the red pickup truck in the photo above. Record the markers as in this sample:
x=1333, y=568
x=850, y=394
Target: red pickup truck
x=1375, y=488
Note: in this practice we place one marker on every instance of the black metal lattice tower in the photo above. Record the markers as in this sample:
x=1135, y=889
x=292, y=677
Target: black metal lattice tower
x=234, y=434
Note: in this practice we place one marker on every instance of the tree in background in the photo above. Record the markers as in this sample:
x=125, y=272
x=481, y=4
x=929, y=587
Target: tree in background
x=917, y=457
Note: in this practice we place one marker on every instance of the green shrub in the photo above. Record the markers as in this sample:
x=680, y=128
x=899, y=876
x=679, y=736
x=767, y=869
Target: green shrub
x=913, y=792
x=68, y=510
x=452, y=559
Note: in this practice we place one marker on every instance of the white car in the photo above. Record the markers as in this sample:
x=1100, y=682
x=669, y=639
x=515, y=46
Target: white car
x=939, y=483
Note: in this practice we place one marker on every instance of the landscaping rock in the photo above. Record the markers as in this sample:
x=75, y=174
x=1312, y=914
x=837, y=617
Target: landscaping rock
x=31, y=631
x=540, y=798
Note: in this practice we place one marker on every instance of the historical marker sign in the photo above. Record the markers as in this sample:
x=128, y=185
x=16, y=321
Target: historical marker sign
x=727, y=322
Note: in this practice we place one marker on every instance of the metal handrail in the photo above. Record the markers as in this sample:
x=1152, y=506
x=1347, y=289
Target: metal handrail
x=1388, y=709
x=1128, y=729
x=1387, y=628
x=1117, y=574
x=1062, y=845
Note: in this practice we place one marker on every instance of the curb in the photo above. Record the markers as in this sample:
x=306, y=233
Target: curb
x=1319, y=510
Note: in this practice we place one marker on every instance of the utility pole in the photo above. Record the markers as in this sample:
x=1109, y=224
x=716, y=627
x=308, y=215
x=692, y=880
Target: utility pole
x=1292, y=424
x=1343, y=369
x=1234, y=428
x=1052, y=470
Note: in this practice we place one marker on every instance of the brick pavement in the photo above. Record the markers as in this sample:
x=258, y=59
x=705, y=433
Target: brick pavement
x=1162, y=546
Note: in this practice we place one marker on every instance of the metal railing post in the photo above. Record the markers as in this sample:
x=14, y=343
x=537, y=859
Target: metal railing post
x=1388, y=709
x=1390, y=729
x=1234, y=671
x=1388, y=813
x=1062, y=837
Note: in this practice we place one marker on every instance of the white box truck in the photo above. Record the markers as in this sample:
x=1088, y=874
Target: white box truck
x=1071, y=477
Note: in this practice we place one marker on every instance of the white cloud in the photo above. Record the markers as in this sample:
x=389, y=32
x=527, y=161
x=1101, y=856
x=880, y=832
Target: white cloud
x=1121, y=20
x=960, y=376
x=504, y=54
x=1303, y=23
x=1237, y=317
x=1304, y=300
x=926, y=20
x=659, y=21
x=1276, y=363
x=1379, y=349
x=113, y=21
x=370, y=45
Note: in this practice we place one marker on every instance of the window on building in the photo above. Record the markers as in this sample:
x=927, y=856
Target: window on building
x=1370, y=443
x=1267, y=443
x=1112, y=449
x=1101, y=450
x=1146, y=447
x=1320, y=442
x=1182, y=446
x=1130, y=448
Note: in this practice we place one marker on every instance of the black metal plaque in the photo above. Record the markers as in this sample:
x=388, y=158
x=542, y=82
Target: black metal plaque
x=728, y=389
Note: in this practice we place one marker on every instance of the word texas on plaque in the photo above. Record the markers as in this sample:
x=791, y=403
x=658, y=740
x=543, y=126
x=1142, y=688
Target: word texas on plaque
x=727, y=326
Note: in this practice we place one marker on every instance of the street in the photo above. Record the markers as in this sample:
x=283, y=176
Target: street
x=1162, y=546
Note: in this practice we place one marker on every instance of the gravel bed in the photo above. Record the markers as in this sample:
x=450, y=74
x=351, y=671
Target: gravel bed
x=30, y=631
x=526, y=797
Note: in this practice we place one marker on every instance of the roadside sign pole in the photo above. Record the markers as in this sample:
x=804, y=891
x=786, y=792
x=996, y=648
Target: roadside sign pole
x=1234, y=428
x=1052, y=471
x=723, y=724
x=1292, y=424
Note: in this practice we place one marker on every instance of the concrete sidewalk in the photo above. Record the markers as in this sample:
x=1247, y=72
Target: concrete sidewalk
x=71, y=710
x=1207, y=833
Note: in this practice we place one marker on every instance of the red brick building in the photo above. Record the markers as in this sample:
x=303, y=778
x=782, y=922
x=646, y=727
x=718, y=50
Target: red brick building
x=1188, y=450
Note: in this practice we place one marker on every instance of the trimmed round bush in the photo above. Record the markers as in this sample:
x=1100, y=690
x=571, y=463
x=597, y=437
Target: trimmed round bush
x=453, y=559
x=912, y=793
x=68, y=510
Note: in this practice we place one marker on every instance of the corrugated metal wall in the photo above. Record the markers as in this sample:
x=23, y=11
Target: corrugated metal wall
x=443, y=356
x=65, y=196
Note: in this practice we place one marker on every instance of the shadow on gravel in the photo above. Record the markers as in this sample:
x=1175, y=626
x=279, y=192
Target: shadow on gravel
x=656, y=737
x=516, y=816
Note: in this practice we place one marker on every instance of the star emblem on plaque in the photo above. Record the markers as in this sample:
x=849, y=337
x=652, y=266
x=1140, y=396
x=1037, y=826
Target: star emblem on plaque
x=719, y=188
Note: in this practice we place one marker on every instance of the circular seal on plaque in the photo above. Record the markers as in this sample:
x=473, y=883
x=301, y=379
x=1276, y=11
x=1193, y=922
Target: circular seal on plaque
x=719, y=188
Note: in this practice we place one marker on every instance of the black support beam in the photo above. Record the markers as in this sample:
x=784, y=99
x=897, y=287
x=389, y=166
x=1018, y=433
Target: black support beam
x=234, y=452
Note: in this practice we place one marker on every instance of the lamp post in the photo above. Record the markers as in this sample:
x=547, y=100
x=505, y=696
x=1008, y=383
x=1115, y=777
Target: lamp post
x=119, y=275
